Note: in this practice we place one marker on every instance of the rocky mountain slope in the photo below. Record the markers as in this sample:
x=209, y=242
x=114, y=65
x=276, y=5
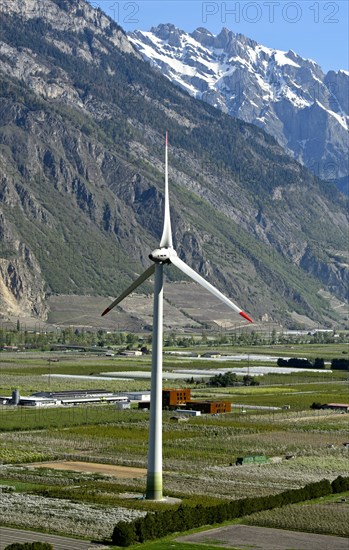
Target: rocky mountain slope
x=81, y=184
x=290, y=97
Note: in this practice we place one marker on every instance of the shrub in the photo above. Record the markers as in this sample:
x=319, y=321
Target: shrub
x=294, y=362
x=146, y=528
x=319, y=363
x=340, y=364
x=340, y=484
x=124, y=533
x=318, y=489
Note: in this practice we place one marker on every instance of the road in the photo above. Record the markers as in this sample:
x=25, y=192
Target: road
x=9, y=536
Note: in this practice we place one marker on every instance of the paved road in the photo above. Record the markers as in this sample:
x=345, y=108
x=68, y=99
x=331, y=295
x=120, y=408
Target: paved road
x=265, y=538
x=8, y=536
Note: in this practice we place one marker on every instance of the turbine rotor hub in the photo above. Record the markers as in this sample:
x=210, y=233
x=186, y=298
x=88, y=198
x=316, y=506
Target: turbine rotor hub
x=162, y=255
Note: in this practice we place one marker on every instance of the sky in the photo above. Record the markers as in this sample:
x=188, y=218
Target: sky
x=315, y=29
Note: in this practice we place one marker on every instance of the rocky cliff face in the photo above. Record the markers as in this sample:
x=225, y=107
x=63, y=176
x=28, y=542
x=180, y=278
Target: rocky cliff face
x=288, y=96
x=81, y=185
x=22, y=286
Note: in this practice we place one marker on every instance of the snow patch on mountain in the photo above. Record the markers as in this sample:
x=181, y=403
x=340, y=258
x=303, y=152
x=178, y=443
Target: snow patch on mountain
x=288, y=96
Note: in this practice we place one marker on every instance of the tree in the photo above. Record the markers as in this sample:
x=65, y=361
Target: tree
x=100, y=338
x=319, y=363
x=131, y=338
x=340, y=364
x=250, y=381
x=223, y=380
x=273, y=336
x=340, y=484
x=146, y=528
x=124, y=534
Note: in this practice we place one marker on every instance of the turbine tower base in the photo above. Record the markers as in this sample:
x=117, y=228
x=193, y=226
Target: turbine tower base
x=154, y=487
x=154, y=474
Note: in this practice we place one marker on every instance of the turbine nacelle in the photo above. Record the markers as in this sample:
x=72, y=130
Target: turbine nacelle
x=162, y=255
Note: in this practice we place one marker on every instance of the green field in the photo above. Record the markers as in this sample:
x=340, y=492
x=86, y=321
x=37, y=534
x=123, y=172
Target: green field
x=199, y=454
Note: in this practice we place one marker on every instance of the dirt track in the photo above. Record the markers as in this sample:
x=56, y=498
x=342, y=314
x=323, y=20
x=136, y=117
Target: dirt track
x=93, y=468
x=263, y=538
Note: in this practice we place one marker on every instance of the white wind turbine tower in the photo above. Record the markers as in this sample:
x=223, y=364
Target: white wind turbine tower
x=162, y=256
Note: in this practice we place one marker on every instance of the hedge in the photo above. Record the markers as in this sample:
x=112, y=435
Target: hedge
x=159, y=524
x=340, y=484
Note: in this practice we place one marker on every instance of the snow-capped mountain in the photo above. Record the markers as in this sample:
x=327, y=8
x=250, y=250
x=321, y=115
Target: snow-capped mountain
x=288, y=96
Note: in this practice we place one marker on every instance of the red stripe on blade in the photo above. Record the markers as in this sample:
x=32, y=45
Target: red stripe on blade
x=245, y=316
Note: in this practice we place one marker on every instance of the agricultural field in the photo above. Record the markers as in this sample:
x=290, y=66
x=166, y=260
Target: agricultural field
x=328, y=515
x=199, y=453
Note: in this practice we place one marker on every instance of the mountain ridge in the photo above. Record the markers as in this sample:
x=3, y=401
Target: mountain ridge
x=81, y=185
x=290, y=97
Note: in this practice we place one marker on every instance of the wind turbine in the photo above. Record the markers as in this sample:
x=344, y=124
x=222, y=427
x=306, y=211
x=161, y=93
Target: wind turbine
x=162, y=256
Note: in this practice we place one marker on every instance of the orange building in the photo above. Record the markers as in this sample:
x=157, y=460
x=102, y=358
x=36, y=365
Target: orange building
x=173, y=398
x=209, y=407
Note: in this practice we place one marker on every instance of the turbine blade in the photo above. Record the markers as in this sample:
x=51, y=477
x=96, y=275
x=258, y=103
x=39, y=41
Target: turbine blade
x=166, y=239
x=131, y=288
x=198, y=279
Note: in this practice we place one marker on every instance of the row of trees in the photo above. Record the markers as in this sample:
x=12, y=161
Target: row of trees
x=318, y=363
x=160, y=524
x=41, y=338
x=230, y=379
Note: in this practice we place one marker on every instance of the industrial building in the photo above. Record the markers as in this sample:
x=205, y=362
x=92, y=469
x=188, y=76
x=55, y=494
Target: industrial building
x=180, y=400
x=187, y=412
x=137, y=395
x=173, y=398
x=75, y=397
x=209, y=407
x=70, y=397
